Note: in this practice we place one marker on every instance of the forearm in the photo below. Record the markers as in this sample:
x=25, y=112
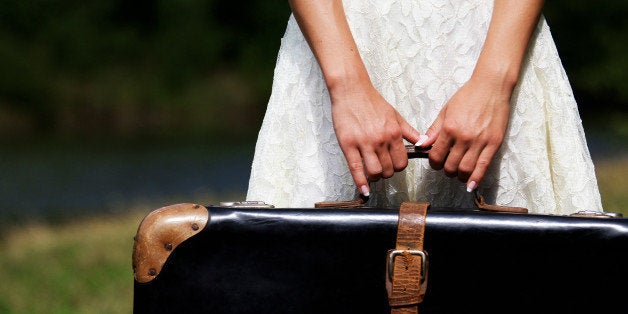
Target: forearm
x=511, y=27
x=325, y=27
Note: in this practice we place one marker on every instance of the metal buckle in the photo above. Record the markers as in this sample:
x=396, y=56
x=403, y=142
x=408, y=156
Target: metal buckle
x=390, y=265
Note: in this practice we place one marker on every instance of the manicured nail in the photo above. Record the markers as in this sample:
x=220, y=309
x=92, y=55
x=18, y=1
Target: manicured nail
x=422, y=140
x=365, y=190
x=471, y=186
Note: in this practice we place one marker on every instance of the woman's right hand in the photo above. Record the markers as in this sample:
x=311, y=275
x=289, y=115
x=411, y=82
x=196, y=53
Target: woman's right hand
x=369, y=130
x=370, y=133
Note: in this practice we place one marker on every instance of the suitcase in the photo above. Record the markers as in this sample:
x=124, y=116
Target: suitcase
x=253, y=258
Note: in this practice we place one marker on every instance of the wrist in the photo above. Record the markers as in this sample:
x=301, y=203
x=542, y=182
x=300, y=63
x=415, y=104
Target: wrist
x=504, y=75
x=347, y=80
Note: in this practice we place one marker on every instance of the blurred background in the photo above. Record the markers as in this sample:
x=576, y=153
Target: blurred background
x=111, y=109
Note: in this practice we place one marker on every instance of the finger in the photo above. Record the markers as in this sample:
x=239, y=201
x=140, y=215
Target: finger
x=481, y=166
x=399, y=155
x=372, y=164
x=357, y=171
x=440, y=144
x=468, y=162
x=386, y=163
x=432, y=132
x=438, y=153
x=407, y=131
x=452, y=161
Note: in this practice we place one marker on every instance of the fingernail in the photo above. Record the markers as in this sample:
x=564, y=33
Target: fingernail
x=422, y=140
x=471, y=186
x=365, y=190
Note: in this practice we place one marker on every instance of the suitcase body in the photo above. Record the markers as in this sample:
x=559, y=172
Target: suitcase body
x=267, y=260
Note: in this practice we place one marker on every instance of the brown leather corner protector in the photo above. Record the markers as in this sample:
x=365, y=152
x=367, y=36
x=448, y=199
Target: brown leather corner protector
x=160, y=232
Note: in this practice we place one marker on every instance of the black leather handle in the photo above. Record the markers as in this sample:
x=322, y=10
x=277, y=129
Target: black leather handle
x=417, y=152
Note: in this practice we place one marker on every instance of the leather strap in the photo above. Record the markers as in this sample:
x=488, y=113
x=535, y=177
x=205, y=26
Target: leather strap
x=406, y=285
x=479, y=201
x=358, y=202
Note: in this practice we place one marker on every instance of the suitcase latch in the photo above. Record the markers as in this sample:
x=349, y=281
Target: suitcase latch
x=596, y=214
x=246, y=204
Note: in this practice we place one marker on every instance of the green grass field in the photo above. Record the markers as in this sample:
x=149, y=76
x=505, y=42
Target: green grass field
x=613, y=182
x=84, y=266
x=78, y=267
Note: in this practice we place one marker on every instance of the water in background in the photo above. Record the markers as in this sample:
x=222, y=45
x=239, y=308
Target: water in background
x=51, y=181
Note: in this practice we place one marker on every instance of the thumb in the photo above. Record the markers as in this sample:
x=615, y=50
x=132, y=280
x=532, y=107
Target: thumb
x=407, y=131
x=432, y=132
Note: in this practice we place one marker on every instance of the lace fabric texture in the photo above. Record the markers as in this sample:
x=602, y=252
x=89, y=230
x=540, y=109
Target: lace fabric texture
x=418, y=53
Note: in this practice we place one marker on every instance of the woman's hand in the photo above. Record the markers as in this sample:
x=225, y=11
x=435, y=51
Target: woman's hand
x=370, y=133
x=471, y=126
x=469, y=130
x=369, y=130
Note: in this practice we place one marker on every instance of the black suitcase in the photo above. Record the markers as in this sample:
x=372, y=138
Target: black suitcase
x=233, y=259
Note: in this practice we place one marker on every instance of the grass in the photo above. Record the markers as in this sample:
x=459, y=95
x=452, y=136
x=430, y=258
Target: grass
x=77, y=267
x=84, y=266
x=613, y=183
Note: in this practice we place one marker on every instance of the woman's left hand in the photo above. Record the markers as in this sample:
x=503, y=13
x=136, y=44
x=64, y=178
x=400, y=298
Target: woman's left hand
x=470, y=129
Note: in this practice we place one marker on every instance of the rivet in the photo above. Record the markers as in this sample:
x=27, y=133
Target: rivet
x=169, y=246
x=194, y=227
x=152, y=272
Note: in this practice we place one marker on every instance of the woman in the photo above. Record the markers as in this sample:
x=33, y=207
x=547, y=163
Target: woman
x=355, y=78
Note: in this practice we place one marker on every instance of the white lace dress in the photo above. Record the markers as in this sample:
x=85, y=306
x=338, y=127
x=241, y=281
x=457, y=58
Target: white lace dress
x=418, y=53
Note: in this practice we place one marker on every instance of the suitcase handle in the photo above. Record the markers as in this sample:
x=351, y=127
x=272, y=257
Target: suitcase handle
x=421, y=152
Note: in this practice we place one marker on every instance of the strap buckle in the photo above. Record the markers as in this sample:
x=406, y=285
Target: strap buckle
x=390, y=266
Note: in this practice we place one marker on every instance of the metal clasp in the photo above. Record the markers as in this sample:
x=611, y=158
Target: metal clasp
x=390, y=265
x=596, y=214
x=246, y=204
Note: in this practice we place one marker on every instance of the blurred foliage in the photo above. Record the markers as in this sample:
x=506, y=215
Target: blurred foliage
x=128, y=68
x=204, y=67
x=592, y=39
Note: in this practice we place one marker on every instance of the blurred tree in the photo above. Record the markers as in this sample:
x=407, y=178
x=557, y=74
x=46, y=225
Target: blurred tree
x=204, y=67
x=592, y=39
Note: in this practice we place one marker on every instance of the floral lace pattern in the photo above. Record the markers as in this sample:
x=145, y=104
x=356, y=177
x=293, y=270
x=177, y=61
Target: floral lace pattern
x=418, y=53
